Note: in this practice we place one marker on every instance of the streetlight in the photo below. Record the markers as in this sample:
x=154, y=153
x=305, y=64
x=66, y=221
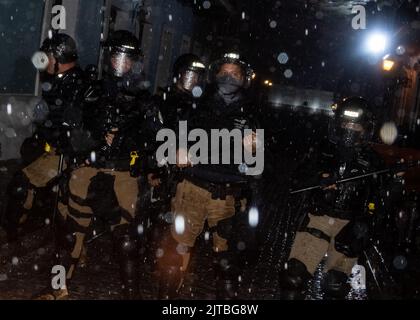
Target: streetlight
x=377, y=42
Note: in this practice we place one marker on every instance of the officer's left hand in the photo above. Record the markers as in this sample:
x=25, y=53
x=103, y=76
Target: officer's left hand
x=109, y=138
x=153, y=181
x=250, y=142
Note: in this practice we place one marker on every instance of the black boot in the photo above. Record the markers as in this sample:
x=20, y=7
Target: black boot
x=294, y=280
x=169, y=283
x=127, y=250
x=17, y=192
x=227, y=277
x=64, y=244
x=335, y=285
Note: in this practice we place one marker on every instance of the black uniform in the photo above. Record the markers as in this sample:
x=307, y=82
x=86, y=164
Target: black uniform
x=339, y=218
x=104, y=191
x=211, y=193
x=57, y=118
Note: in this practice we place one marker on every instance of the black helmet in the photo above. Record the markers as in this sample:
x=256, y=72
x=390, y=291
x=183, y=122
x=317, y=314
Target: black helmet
x=62, y=47
x=188, y=71
x=353, y=122
x=122, y=53
x=231, y=58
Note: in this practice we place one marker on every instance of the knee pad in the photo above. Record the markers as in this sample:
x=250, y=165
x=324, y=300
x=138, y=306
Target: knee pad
x=103, y=200
x=224, y=228
x=126, y=245
x=65, y=235
x=18, y=187
x=172, y=252
x=335, y=285
x=352, y=239
x=296, y=276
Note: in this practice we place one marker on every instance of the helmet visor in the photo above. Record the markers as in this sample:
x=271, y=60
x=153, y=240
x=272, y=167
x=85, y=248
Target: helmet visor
x=190, y=79
x=120, y=64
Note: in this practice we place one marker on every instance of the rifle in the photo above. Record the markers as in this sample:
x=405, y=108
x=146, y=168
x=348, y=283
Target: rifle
x=397, y=168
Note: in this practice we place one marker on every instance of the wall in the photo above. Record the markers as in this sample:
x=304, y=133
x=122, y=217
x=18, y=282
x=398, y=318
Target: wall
x=182, y=24
x=20, y=34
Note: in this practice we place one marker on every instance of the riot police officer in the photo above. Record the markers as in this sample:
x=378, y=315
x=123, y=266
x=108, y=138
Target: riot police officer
x=178, y=102
x=106, y=188
x=211, y=192
x=182, y=97
x=56, y=117
x=337, y=226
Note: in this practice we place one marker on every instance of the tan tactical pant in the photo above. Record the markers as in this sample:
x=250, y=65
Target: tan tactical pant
x=311, y=250
x=191, y=207
x=40, y=173
x=81, y=214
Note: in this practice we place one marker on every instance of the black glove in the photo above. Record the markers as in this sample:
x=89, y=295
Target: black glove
x=327, y=181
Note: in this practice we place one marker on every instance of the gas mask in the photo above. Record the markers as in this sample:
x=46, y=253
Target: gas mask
x=349, y=138
x=228, y=85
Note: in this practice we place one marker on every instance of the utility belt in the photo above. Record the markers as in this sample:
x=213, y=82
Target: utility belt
x=117, y=165
x=130, y=165
x=220, y=190
x=336, y=213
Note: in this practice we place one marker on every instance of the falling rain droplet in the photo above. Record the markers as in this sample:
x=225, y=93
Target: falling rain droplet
x=9, y=109
x=179, y=224
x=288, y=73
x=93, y=156
x=197, y=92
x=283, y=58
x=253, y=217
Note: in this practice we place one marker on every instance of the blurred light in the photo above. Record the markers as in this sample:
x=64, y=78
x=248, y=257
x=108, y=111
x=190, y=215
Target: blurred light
x=266, y=82
x=351, y=114
x=400, y=50
x=377, y=42
x=234, y=56
x=389, y=133
x=179, y=224
x=254, y=75
x=270, y=84
x=388, y=65
x=253, y=217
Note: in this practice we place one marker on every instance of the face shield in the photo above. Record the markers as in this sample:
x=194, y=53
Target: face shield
x=120, y=64
x=189, y=80
x=346, y=129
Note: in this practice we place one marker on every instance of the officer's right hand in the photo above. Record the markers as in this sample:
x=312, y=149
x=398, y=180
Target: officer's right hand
x=182, y=159
x=109, y=138
x=153, y=180
x=327, y=182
